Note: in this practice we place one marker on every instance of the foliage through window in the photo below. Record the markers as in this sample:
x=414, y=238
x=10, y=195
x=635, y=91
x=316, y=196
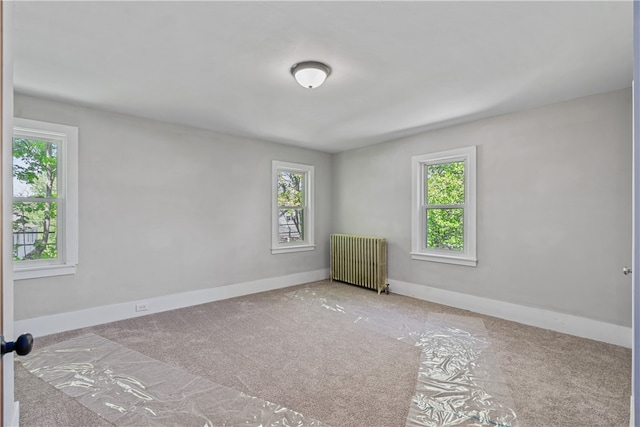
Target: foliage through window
x=44, y=198
x=35, y=205
x=444, y=207
x=444, y=214
x=293, y=207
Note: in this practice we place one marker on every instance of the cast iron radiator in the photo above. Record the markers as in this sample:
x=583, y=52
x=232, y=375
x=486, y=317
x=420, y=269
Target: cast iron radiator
x=359, y=260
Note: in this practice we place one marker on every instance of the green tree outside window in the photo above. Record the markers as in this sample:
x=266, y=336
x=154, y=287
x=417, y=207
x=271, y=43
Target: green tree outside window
x=445, y=206
x=35, y=207
x=291, y=206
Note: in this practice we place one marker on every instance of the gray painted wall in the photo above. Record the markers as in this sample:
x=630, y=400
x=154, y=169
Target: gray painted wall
x=554, y=206
x=166, y=209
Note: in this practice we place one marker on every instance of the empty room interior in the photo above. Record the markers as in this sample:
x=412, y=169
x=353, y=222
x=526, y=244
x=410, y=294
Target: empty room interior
x=318, y=213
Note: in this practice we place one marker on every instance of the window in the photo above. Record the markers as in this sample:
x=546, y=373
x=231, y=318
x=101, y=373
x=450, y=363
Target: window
x=292, y=195
x=444, y=207
x=45, y=199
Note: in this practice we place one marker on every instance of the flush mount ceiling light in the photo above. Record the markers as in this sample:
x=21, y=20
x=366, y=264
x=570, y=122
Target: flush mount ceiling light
x=310, y=74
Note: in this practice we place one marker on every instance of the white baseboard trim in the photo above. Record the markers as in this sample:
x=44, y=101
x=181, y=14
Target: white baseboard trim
x=559, y=322
x=56, y=323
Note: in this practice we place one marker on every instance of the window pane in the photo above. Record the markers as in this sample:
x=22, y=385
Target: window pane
x=445, y=183
x=290, y=225
x=290, y=188
x=445, y=229
x=35, y=230
x=35, y=168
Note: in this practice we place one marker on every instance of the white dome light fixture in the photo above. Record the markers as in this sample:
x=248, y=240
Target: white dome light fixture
x=310, y=74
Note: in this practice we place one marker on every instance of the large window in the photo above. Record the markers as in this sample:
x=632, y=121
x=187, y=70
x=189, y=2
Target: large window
x=45, y=199
x=292, y=194
x=444, y=207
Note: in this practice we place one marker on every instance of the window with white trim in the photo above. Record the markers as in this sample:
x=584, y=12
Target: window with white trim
x=45, y=199
x=292, y=213
x=444, y=207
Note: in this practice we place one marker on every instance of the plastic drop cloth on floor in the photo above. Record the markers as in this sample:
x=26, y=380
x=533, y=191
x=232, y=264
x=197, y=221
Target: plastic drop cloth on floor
x=459, y=380
x=128, y=388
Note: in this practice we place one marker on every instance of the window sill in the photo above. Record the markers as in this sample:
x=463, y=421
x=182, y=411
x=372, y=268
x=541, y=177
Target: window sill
x=287, y=249
x=447, y=259
x=43, y=271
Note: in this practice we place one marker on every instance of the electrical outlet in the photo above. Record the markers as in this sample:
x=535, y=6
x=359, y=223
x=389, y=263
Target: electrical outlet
x=142, y=306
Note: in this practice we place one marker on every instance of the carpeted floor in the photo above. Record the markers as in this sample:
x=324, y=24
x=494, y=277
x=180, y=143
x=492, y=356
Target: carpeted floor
x=313, y=359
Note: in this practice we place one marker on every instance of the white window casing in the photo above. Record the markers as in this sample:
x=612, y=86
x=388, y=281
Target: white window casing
x=66, y=138
x=305, y=242
x=419, y=249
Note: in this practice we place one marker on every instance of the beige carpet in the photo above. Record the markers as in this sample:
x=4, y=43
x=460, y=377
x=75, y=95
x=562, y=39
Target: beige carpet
x=314, y=360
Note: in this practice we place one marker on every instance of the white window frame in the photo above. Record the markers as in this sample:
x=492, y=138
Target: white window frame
x=419, y=249
x=308, y=244
x=67, y=239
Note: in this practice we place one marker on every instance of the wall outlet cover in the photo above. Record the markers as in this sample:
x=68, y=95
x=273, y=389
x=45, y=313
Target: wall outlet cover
x=142, y=306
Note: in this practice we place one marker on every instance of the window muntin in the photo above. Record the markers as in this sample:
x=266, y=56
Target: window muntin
x=444, y=207
x=292, y=207
x=44, y=199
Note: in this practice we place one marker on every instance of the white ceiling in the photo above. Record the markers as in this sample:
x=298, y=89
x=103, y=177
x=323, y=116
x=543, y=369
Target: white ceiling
x=399, y=68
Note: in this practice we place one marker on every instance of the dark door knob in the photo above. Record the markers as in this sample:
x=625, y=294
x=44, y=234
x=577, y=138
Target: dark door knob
x=22, y=346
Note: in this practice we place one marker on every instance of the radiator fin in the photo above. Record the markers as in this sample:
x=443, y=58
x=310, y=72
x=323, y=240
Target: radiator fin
x=359, y=260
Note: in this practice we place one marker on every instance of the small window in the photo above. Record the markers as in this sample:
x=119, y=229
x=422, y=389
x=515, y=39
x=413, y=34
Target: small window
x=45, y=199
x=292, y=228
x=444, y=212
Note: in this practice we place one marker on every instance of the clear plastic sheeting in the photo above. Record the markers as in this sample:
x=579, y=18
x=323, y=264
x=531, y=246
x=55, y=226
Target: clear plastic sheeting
x=128, y=388
x=379, y=319
x=459, y=380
